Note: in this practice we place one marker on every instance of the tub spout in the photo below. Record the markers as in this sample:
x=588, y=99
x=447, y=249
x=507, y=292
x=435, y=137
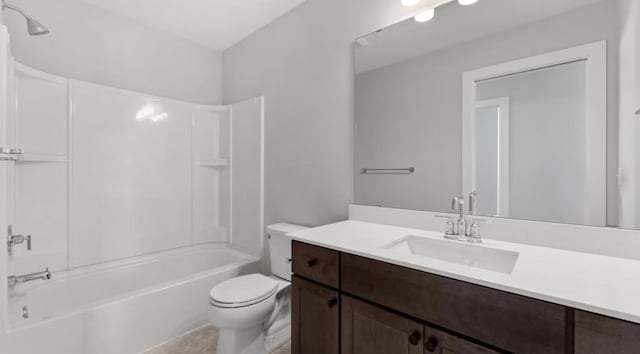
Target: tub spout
x=13, y=280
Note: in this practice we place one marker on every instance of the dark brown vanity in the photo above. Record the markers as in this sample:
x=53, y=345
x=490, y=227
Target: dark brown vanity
x=348, y=304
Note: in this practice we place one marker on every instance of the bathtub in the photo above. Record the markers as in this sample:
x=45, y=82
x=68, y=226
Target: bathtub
x=120, y=307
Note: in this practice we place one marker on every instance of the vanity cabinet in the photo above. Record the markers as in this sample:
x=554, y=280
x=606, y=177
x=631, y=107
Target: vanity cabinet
x=315, y=318
x=342, y=303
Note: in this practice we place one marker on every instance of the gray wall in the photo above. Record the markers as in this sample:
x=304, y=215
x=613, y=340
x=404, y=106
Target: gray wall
x=423, y=95
x=89, y=44
x=547, y=150
x=629, y=124
x=303, y=64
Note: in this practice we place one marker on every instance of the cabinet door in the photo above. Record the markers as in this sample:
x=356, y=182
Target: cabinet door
x=595, y=334
x=439, y=342
x=370, y=330
x=315, y=318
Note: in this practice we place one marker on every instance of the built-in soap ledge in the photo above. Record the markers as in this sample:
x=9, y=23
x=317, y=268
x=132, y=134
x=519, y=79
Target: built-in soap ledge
x=212, y=163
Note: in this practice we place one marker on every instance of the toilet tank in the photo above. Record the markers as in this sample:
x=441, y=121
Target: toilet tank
x=280, y=249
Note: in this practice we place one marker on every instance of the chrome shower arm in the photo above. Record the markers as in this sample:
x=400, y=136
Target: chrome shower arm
x=14, y=8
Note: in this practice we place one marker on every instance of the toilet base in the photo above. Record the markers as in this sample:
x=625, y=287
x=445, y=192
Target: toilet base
x=252, y=340
x=277, y=339
x=244, y=341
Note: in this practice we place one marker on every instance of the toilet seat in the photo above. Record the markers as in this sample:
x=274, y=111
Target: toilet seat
x=243, y=291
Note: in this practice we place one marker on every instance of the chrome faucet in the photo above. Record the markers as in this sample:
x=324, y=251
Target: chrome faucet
x=13, y=240
x=461, y=230
x=457, y=204
x=13, y=280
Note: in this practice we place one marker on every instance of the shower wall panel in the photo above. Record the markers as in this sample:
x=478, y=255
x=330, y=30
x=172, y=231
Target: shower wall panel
x=38, y=182
x=131, y=174
x=109, y=174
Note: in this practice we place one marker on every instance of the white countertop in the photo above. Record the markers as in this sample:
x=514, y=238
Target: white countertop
x=600, y=284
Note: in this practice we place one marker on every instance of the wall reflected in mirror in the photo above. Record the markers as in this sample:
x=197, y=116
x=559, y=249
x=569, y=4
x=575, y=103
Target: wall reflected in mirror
x=530, y=104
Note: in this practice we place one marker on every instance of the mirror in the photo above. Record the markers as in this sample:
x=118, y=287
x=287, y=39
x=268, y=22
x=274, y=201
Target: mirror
x=529, y=104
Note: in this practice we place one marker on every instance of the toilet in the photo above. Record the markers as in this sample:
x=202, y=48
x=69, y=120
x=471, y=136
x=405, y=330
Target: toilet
x=252, y=312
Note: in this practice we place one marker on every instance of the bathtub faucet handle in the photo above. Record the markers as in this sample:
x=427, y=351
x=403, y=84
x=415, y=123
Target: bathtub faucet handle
x=13, y=240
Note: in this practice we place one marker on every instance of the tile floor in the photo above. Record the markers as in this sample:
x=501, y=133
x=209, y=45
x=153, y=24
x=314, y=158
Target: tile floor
x=200, y=341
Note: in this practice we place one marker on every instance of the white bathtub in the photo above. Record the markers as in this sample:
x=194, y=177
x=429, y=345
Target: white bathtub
x=121, y=307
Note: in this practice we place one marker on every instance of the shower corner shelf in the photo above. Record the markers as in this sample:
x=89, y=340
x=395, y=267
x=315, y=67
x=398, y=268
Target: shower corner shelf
x=212, y=163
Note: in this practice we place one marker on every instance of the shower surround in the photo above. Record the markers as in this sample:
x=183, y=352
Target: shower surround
x=132, y=201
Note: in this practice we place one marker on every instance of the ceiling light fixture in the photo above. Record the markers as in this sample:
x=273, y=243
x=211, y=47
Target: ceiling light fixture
x=428, y=13
x=410, y=2
x=425, y=15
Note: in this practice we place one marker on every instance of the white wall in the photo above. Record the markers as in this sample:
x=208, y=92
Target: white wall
x=427, y=93
x=247, y=149
x=86, y=43
x=629, y=103
x=303, y=64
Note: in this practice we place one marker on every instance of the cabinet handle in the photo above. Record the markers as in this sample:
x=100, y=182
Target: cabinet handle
x=414, y=338
x=431, y=344
x=312, y=262
x=332, y=302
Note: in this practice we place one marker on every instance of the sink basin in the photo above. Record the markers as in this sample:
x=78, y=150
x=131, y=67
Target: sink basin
x=457, y=252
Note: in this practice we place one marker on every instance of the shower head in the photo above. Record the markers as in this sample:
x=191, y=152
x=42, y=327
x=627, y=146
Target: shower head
x=34, y=27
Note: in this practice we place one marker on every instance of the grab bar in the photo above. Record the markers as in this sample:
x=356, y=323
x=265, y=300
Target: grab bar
x=407, y=170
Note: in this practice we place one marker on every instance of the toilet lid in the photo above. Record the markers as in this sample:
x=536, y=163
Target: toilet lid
x=244, y=290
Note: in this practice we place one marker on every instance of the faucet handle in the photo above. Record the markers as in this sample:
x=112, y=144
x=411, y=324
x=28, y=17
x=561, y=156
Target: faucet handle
x=474, y=234
x=451, y=229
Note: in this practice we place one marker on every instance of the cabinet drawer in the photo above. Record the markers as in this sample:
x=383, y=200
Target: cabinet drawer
x=511, y=322
x=316, y=263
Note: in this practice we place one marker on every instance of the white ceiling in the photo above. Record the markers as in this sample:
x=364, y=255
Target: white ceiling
x=454, y=24
x=217, y=24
